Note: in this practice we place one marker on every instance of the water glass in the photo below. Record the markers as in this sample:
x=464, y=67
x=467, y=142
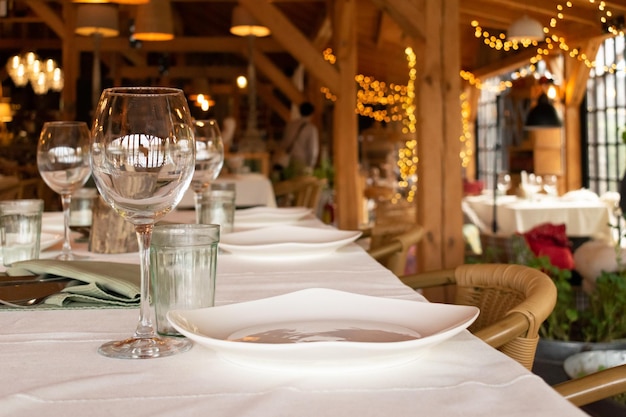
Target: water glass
x=183, y=259
x=218, y=206
x=81, y=207
x=20, y=230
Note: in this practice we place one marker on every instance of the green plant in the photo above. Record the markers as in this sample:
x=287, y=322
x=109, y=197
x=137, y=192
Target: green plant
x=577, y=316
x=600, y=317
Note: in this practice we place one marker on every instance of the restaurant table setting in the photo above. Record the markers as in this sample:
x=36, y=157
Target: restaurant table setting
x=64, y=374
x=302, y=322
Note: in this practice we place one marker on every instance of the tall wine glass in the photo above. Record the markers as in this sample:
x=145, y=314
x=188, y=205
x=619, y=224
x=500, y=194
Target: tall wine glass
x=503, y=182
x=143, y=161
x=209, y=158
x=63, y=160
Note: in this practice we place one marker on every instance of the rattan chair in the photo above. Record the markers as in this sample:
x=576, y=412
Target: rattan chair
x=594, y=387
x=303, y=191
x=390, y=244
x=514, y=300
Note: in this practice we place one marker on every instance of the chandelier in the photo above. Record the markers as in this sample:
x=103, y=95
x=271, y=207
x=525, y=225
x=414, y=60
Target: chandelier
x=43, y=75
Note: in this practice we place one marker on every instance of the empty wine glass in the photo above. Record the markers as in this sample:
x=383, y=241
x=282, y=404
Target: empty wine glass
x=503, y=182
x=550, y=185
x=143, y=161
x=209, y=159
x=533, y=186
x=63, y=161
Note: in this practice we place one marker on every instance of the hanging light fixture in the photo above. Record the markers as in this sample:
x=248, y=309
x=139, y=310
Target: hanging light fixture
x=244, y=24
x=98, y=21
x=42, y=75
x=525, y=30
x=543, y=115
x=111, y=1
x=154, y=21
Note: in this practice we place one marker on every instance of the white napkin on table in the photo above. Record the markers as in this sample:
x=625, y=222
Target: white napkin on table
x=97, y=282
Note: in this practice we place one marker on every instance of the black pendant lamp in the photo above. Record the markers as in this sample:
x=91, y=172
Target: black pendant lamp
x=543, y=115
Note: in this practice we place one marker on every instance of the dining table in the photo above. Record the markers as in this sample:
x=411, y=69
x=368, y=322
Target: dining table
x=583, y=217
x=50, y=364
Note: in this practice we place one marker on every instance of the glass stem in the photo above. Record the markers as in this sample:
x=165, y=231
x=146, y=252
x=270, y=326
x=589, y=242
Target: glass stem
x=66, y=251
x=197, y=197
x=145, y=328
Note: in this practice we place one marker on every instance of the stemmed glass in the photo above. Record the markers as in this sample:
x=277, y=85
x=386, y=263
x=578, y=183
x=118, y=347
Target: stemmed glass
x=503, y=182
x=209, y=159
x=63, y=153
x=143, y=161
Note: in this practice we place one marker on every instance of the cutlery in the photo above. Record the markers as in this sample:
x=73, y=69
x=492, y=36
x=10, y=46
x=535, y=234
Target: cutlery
x=7, y=281
x=31, y=292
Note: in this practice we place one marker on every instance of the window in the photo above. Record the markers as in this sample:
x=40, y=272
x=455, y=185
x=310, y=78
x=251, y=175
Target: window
x=604, y=158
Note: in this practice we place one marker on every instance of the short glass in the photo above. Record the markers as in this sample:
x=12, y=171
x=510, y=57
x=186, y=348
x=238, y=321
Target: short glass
x=20, y=230
x=183, y=261
x=218, y=206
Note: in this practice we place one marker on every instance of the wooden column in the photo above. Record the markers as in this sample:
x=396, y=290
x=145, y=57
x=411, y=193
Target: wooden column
x=69, y=64
x=439, y=129
x=345, y=144
x=576, y=75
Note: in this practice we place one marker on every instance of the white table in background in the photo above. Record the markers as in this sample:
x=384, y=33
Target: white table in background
x=50, y=366
x=582, y=218
x=252, y=189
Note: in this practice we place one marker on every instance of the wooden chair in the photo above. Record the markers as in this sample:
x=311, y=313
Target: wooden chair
x=514, y=300
x=594, y=387
x=390, y=244
x=303, y=191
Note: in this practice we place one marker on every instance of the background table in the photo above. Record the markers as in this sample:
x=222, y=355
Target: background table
x=582, y=218
x=252, y=189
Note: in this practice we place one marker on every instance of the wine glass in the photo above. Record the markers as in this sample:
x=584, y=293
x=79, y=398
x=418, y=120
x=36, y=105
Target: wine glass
x=503, y=182
x=143, y=161
x=63, y=161
x=550, y=185
x=209, y=159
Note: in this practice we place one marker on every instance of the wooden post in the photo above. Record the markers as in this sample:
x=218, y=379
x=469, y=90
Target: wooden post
x=345, y=144
x=439, y=129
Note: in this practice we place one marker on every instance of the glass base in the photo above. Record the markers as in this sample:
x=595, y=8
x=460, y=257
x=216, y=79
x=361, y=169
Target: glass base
x=70, y=257
x=145, y=348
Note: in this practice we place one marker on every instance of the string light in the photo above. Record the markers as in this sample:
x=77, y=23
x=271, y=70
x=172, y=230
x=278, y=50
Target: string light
x=553, y=42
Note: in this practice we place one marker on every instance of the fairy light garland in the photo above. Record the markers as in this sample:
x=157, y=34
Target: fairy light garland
x=552, y=41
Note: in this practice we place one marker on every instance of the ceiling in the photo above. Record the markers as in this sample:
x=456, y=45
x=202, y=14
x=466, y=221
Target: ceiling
x=204, y=49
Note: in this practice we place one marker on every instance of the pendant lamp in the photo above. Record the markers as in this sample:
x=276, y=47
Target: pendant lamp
x=154, y=21
x=525, y=29
x=543, y=115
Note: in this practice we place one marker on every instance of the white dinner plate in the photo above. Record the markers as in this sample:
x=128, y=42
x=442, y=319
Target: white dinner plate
x=323, y=329
x=287, y=240
x=585, y=363
x=49, y=239
x=269, y=216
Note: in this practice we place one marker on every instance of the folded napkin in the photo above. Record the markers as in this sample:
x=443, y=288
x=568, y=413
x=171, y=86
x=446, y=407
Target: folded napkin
x=107, y=283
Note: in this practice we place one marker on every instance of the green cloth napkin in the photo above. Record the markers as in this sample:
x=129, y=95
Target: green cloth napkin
x=108, y=283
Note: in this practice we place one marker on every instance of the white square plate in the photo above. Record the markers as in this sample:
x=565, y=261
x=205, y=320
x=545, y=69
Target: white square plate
x=322, y=329
x=287, y=240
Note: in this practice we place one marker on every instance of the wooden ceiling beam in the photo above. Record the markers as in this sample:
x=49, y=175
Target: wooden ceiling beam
x=400, y=11
x=277, y=77
x=293, y=41
x=183, y=44
x=48, y=16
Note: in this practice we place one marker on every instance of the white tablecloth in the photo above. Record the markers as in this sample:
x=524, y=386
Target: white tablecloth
x=581, y=218
x=251, y=189
x=50, y=366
